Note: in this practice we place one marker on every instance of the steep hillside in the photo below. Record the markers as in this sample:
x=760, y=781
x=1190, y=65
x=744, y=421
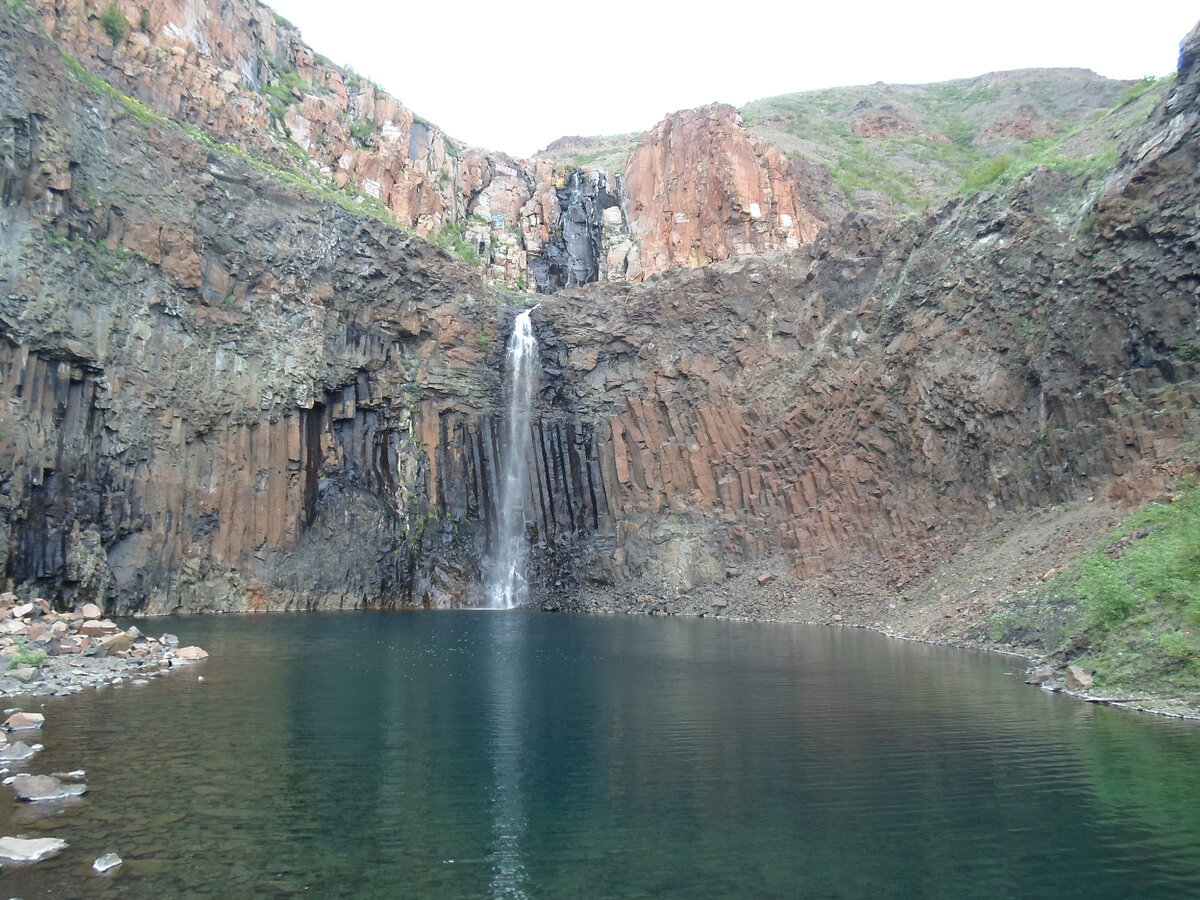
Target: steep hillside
x=897, y=148
x=215, y=377
x=238, y=75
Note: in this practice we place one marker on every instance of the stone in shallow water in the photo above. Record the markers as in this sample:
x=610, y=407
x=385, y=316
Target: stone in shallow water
x=191, y=653
x=106, y=863
x=24, y=721
x=15, y=849
x=33, y=788
x=1041, y=675
x=17, y=751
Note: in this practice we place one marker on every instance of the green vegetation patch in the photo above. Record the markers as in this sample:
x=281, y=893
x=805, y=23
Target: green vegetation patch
x=28, y=657
x=452, y=238
x=114, y=23
x=1129, y=609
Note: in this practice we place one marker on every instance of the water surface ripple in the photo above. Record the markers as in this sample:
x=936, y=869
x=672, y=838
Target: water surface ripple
x=509, y=755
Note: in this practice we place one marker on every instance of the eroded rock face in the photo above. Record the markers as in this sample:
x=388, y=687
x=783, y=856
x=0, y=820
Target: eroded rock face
x=701, y=188
x=208, y=385
x=231, y=395
x=888, y=390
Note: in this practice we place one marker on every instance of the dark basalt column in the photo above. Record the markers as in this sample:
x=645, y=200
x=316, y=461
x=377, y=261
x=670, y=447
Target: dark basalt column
x=572, y=256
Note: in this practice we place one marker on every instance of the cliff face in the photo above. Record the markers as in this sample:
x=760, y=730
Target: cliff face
x=701, y=189
x=223, y=392
x=244, y=77
x=215, y=388
x=889, y=389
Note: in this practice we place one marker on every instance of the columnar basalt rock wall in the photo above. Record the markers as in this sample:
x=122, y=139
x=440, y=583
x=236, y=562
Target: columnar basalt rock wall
x=892, y=388
x=566, y=496
x=212, y=389
x=223, y=393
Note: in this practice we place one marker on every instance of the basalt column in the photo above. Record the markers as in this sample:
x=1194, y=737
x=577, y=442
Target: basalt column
x=572, y=257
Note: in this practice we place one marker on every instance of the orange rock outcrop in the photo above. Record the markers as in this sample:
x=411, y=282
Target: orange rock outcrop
x=701, y=188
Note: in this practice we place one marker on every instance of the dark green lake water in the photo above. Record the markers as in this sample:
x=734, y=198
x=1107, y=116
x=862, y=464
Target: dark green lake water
x=485, y=754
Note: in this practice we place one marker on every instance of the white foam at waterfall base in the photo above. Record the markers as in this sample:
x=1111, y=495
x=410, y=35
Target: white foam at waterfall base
x=507, y=586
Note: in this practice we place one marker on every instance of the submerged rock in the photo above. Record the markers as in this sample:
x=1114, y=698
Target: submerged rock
x=18, y=751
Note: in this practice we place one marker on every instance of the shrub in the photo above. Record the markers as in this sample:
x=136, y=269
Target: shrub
x=27, y=657
x=114, y=23
x=986, y=173
x=1107, y=593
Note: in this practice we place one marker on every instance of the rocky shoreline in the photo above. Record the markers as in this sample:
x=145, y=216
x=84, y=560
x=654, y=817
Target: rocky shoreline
x=46, y=653
x=941, y=601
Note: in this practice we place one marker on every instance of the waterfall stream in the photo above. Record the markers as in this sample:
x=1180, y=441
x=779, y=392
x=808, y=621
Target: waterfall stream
x=507, y=585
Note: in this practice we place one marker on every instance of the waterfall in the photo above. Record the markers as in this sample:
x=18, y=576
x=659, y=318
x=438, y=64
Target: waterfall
x=507, y=586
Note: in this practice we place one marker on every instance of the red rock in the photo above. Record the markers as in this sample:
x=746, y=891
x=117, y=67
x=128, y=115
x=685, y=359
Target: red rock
x=24, y=721
x=94, y=628
x=115, y=643
x=701, y=188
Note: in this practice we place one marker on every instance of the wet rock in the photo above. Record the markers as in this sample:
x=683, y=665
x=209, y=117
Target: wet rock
x=106, y=863
x=24, y=721
x=18, y=751
x=191, y=653
x=1041, y=675
x=36, y=788
x=15, y=849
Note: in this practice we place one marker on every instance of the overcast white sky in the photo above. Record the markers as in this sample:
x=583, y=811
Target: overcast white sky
x=514, y=76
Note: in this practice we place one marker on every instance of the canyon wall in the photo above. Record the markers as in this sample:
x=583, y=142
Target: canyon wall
x=891, y=388
x=242, y=76
x=227, y=392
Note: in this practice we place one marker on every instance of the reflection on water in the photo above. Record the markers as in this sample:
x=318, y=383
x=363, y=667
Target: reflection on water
x=509, y=754
x=505, y=651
